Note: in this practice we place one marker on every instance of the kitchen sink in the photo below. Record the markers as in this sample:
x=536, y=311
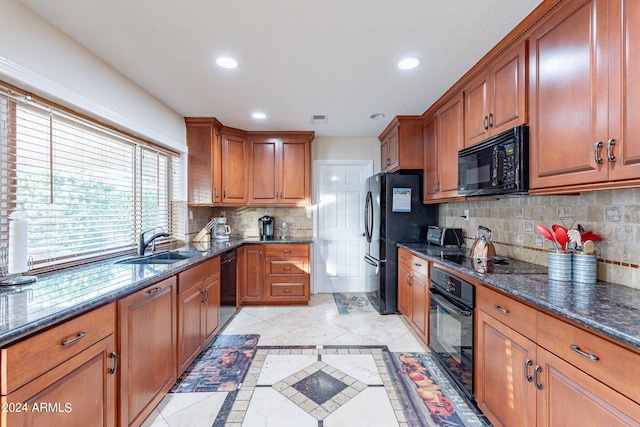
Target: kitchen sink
x=168, y=257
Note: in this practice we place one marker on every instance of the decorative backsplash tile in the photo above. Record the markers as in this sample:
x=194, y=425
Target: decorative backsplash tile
x=612, y=214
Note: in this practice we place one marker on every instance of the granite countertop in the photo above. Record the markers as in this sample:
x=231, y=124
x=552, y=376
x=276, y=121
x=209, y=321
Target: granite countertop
x=66, y=293
x=609, y=309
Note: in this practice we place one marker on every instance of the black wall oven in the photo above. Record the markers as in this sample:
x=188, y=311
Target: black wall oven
x=452, y=301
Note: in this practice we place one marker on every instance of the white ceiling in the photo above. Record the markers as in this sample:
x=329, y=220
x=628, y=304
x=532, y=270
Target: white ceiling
x=296, y=58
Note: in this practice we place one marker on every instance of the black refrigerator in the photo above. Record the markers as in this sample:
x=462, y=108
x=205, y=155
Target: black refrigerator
x=393, y=213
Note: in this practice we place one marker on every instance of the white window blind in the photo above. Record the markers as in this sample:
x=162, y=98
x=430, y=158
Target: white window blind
x=88, y=190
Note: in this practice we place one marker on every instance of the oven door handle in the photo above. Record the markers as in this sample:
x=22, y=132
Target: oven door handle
x=448, y=304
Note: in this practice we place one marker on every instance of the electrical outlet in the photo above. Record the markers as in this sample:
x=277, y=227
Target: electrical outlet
x=466, y=213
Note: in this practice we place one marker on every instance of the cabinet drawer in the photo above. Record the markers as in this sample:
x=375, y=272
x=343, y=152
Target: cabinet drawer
x=404, y=257
x=415, y=263
x=287, y=250
x=287, y=289
x=289, y=267
x=30, y=358
x=615, y=366
x=198, y=273
x=512, y=313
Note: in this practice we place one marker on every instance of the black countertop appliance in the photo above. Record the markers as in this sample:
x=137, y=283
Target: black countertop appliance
x=266, y=225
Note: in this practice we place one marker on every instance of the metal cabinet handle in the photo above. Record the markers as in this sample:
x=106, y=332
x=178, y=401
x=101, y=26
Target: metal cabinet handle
x=490, y=120
x=596, y=152
x=528, y=363
x=417, y=264
x=286, y=268
x=589, y=356
x=485, y=123
x=500, y=309
x=113, y=355
x=610, y=144
x=403, y=257
x=74, y=339
x=536, y=371
x=154, y=290
x=205, y=295
x=215, y=192
x=436, y=185
x=287, y=290
x=409, y=280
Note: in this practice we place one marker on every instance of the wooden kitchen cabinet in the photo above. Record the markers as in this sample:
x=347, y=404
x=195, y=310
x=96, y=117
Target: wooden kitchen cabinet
x=401, y=144
x=71, y=369
x=204, y=174
x=444, y=137
x=250, y=274
x=413, y=292
x=235, y=168
x=198, y=310
x=147, y=335
x=280, y=169
x=585, y=97
x=496, y=100
x=549, y=383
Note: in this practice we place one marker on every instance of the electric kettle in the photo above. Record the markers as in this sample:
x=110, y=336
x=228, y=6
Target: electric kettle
x=220, y=230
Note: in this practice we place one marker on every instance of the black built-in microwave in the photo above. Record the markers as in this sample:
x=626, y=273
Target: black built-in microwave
x=498, y=165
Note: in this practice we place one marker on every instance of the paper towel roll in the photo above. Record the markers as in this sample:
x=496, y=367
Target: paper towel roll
x=18, y=249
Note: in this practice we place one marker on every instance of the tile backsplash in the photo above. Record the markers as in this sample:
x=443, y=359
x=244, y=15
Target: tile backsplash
x=612, y=214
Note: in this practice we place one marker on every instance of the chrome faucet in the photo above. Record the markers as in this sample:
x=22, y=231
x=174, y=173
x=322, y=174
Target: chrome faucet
x=142, y=245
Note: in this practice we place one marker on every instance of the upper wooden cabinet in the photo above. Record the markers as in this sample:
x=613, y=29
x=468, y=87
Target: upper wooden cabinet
x=496, y=100
x=585, y=97
x=444, y=137
x=401, y=144
x=204, y=174
x=235, y=174
x=280, y=169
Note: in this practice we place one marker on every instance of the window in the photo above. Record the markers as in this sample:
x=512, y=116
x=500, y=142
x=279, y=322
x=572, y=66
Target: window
x=88, y=190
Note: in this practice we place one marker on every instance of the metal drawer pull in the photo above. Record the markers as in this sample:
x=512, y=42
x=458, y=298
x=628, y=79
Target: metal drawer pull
x=610, y=155
x=154, y=290
x=286, y=268
x=286, y=251
x=76, y=338
x=114, y=356
x=582, y=353
x=500, y=309
x=528, y=363
x=286, y=290
x=536, y=371
x=596, y=155
x=417, y=264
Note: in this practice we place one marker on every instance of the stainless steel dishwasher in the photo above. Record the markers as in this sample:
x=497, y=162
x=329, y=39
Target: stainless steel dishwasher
x=227, y=286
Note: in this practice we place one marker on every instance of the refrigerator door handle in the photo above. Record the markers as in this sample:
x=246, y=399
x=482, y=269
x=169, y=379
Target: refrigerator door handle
x=368, y=217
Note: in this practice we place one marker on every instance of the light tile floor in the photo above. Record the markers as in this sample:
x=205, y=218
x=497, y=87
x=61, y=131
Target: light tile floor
x=317, y=324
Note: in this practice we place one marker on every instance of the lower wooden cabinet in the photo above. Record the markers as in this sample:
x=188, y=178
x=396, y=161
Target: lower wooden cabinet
x=413, y=292
x=273, y=273
x=147, y=326
x=522, y=382
x=198, y=310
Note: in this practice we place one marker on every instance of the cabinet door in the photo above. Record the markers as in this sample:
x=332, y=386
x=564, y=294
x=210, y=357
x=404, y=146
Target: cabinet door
x=235, y=164
x=254, y=264
x=404, y=290
x=190, y=328
x=624, y=81
x=79, y=392
x=385, y=160
x=450, y=141
x=199, y=175
x=570, y=397
x=508, y=96
x=476, y=110
x=216, y=166
x=430, y=150
x=264, y=166
x=211, y=308
x=503, y=391
x=420, y=305
x=295, y=173
x=569, y=101
x=147, y=326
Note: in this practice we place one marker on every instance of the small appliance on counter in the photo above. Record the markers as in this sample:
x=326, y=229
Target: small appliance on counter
x=266, y=227
x=444, y=236
x=220, y=230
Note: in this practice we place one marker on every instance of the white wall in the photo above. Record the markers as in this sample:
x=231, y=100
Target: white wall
x=37, y=57
x=347, y=149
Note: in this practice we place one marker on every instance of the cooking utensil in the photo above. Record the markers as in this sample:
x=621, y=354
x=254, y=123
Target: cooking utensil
x=574, y=236
x=482, y=246
x=562, y=237
x=554, y=227
x=547, y=234
x=206, y=231
x=590, y=235
x=588, y=247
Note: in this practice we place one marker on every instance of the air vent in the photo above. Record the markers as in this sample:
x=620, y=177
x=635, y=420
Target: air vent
x=319, y=119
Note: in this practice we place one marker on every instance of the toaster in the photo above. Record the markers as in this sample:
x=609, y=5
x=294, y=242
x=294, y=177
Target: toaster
x=444, y=236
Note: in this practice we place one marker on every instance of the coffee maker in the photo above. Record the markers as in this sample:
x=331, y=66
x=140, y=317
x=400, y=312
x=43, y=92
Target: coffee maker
x=266, y=224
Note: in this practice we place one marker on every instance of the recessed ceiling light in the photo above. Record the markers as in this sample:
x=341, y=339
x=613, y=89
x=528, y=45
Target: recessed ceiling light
x=377, y=116
x=409, y=63
x=226, y=62
x=259, y=115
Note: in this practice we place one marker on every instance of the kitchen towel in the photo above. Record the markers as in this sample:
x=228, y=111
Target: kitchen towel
x=18, y=249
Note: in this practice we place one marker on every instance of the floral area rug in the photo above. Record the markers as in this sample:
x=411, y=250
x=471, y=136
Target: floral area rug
x=426, y=395
x=220, y=367
x=357, y=302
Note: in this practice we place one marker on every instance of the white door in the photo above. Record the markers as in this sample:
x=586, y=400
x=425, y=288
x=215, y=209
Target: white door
x=339, y=250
